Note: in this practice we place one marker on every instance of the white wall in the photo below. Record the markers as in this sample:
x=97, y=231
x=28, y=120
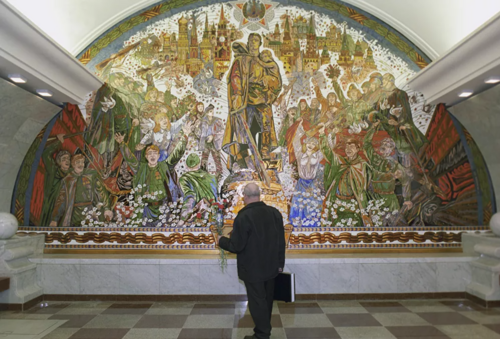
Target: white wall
x=22, y=117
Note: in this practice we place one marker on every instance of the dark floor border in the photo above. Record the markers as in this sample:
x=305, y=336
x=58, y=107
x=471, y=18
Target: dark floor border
x=21, y=307
x=243, y=297
x=484, y=303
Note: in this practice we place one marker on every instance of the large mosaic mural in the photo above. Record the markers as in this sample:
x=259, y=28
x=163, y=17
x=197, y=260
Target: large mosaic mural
x=307, y=100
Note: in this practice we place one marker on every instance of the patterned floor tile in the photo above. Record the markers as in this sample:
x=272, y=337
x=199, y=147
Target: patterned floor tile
x=483, y=317
x=462, y=305
x=240, y=333
x=206, y=333
x=153, y=333
x=300, y=308
x=81, y=311
x=161, y=321
x=209, y=321
x=383, y=306
x=220, y=309
x=364, y=333
x=353, y=320
x=425, y=306
x=61, y=333
x=343, y=310
x=468, y=332
x=247, y=321
x=305, y=320
x=47, y=308
x=113, y=321
x=73, y=321
x=401, y=332
x=446, y=318
x=100, y=333
x=494, y=327
x=127, y=309
x=306, y=333
x=400, y=319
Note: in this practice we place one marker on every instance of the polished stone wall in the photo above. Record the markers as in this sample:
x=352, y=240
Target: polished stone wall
x=481, y=116
x=342, y=274
x=22, y=117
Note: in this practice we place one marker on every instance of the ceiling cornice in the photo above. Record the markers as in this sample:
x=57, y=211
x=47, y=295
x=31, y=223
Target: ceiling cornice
x=27, y=50
x=102, y=28
x=464, y=67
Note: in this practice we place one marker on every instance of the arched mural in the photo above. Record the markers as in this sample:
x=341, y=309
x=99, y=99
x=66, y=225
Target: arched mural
x=305, y=100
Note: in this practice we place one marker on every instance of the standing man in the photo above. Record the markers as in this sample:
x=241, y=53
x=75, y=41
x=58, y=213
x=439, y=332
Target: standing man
x=210, y=133
x=258, y=238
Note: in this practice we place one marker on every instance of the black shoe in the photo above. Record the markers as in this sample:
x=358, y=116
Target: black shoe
x=249, y=337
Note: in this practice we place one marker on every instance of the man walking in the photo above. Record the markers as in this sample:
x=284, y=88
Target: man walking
x=258, y=238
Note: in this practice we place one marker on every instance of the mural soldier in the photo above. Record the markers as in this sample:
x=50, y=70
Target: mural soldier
x=209, y=135
x=196, y=184
x=81, y=190
x=345, y=179
x=254, y=83
x=55, y=171
x=386, y=169
x=154, y=178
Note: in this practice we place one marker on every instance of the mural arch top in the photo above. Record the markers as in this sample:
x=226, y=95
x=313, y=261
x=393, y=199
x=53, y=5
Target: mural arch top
x=305, y=98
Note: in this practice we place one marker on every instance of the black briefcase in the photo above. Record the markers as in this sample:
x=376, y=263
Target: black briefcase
x=284, y=287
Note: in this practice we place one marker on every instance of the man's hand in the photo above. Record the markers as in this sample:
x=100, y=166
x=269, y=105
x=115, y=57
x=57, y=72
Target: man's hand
x=188, y=128
x=139, y=147
x=314, y=82
x=393, y=122
x=60, y=137
x=280, y=269
x=384, y=105
x=408, y=204
x=210, y=138
x=135, y=122
x=53, y=224
x=119, y=137
x=108, y=215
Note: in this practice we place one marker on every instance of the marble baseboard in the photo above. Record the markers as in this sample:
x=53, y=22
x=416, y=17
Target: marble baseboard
x=428, y=275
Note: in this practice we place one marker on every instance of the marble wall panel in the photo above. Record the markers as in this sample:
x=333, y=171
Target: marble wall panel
x=338, y=278
x=452, y=276
x=61, y=278
x=378, y=278
x=139, y=279
x=99, y=279
x=180, y=279
x=306, y=277
x=417, y=277
x=214, y=281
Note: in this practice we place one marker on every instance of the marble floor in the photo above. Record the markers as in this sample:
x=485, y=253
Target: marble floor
x=402, y=319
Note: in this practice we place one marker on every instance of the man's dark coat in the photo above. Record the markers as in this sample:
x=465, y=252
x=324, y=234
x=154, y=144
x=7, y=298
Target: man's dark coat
x=258, y=238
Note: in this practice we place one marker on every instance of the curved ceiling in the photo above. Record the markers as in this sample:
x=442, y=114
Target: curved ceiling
x=433, y=26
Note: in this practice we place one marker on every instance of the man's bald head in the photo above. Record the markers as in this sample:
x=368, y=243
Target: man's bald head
x=251, y=193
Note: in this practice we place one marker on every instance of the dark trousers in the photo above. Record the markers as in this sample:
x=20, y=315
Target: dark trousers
x=260, y=302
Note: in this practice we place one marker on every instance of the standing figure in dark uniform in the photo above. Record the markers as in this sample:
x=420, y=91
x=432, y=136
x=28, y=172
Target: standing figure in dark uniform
x=258, y=238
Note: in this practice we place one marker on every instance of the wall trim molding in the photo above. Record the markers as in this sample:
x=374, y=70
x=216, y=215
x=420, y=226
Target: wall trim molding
x=464, y=67
x=26, y=50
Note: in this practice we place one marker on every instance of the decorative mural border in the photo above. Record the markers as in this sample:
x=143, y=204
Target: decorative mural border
x=362, y=18
x=203, y=238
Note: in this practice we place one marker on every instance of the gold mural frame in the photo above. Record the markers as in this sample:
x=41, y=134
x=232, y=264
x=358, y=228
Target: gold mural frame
x=147, y=240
